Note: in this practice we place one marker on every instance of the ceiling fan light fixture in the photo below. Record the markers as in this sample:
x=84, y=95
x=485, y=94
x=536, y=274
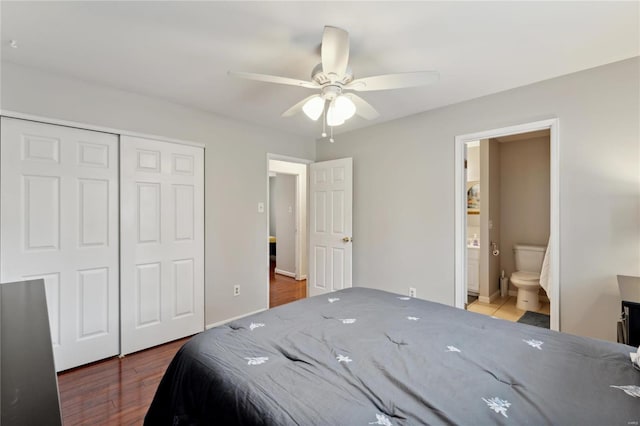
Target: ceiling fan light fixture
x=313, y=107
x=345, y=108
x=333, y=115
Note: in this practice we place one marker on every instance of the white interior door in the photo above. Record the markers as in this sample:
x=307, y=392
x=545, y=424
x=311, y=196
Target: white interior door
x=330, y=225
x=59, y=222
x=162, y=242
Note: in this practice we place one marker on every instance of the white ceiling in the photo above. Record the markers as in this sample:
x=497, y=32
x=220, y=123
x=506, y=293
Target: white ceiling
x=181, y=51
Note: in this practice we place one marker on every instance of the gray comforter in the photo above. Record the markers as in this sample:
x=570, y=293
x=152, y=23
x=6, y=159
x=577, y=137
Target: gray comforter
x=368, y=357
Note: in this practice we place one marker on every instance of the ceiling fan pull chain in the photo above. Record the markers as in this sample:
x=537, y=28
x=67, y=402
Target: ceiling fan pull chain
x=324, y=123
x=331, y=138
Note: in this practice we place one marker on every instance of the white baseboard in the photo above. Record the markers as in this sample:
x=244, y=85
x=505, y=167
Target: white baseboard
x=215, y=324
x=485, y=299
x=285, y=273
x=302, y=277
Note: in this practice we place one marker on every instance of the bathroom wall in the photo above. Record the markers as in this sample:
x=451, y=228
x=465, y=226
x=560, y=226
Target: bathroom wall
x=524, y=193
x=490, y=227
x=473, y=162
x=473, y=176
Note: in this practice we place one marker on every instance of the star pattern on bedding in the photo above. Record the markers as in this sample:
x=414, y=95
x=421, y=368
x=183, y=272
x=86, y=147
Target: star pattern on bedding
x=631, y=390
x=348, y=320
x=498, y=405
x=413, y=318
x=257, y=360
x=452, y=349
x=534, y=343
x=333, y=299
x=381, y=419
x=255, y=325
x=343, y=358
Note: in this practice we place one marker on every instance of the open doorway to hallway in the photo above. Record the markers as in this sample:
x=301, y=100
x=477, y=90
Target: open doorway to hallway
x=287, y=217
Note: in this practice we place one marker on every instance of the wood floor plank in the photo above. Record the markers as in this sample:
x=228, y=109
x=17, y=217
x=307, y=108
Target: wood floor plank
x=117, y=391
x=283, y=289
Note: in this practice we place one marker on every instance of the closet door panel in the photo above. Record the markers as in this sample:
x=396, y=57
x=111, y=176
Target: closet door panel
x=162, y=242
x=59, y=222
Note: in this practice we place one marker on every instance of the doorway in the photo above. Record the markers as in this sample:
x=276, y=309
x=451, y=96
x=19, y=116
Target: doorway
x=481, y=251
x=287, y=226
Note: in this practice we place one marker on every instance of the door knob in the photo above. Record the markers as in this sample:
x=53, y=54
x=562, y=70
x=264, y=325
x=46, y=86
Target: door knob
x=347, y=240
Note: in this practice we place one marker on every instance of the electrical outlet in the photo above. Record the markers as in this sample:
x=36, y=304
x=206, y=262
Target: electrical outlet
x=412, y=292
x=236, y=290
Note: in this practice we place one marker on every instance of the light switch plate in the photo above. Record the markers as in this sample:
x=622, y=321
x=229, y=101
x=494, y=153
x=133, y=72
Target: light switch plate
x=260, y=207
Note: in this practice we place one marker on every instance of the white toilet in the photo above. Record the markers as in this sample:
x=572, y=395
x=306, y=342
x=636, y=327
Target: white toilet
x=527, y=276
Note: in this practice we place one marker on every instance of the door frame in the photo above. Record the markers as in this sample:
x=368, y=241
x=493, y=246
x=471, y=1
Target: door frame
x=460, y=288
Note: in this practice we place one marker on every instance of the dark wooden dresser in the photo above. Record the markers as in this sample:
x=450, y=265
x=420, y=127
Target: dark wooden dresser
x=28, y=381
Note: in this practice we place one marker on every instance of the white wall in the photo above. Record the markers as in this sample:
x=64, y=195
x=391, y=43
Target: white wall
x=284, y=199
x=524, y=197
x=404, y=190
x=236, y=247
x=272, y=211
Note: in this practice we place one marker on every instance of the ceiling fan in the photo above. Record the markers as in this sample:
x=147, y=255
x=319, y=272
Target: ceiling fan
x=334, y=81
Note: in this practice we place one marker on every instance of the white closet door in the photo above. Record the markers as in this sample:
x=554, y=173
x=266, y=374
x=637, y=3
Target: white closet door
x=162, y=242
x=59, y=222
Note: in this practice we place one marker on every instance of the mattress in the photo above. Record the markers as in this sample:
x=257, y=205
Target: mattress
x=368, y=357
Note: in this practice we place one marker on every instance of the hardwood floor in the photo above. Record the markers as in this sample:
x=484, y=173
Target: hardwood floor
x=118, y=391
x=284, y=289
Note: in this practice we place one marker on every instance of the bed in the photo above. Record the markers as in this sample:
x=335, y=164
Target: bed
x=368, y=357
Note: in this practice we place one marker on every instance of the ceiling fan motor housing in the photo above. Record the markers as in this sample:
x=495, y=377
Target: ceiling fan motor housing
x=331, y=91
x=319, y=76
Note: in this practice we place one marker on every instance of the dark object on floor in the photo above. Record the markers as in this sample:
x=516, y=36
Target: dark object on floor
x=536, y=319
x=471, y=299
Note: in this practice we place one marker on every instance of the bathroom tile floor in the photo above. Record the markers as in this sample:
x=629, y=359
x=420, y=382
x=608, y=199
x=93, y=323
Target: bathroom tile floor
x=504, y=308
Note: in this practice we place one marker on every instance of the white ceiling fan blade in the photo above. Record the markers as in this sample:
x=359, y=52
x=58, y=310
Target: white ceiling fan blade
x=394, y=81
x=297, y=107
x=363, y=108
x=273, y=79
x=335, y=52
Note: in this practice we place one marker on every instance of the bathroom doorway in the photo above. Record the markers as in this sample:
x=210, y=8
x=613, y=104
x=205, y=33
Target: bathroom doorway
x=506, y=209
